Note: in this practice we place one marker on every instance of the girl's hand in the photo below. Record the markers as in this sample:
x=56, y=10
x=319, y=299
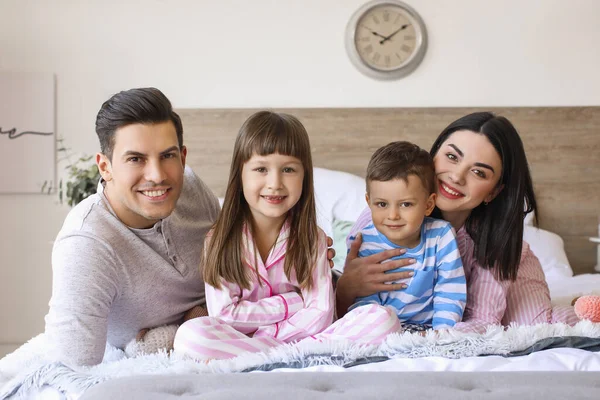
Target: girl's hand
x=365, y=276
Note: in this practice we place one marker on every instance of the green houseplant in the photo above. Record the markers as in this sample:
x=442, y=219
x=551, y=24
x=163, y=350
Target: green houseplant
x=82, y=181
x=82, y=177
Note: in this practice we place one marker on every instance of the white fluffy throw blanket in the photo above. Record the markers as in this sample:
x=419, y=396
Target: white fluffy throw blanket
x=27, y=368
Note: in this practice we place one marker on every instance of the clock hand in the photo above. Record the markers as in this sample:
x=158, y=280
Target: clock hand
x=386, y=38
x=373, y=32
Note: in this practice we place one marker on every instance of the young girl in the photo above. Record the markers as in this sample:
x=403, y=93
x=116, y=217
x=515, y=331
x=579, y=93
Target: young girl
x=266, y=272
x=268, y=280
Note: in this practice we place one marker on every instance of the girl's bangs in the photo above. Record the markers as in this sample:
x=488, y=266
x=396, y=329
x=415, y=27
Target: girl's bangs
x=276, y=141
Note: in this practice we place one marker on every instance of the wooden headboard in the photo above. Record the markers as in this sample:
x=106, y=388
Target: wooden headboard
x=562, y=145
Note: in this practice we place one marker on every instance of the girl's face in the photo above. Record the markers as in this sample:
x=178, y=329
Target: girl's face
x=468, y=169
x=272, y=185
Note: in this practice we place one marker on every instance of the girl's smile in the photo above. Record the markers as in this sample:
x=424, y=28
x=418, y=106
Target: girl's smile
x=274, y=199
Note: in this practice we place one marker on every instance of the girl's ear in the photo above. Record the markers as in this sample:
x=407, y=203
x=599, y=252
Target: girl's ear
x=493, y=194
x=104, y=166
x=430, y=204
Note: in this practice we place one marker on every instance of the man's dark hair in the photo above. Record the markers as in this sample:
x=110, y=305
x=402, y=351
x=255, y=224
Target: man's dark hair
x=134, y=106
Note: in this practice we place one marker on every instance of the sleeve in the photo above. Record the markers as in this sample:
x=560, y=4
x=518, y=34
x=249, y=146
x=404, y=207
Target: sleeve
x=528, y=301
x=319, y=305
x=246, y=316
x=486, y=300
x=363, y=220
x=200, y=197
x=450, y=288
x=84, y=286
x=363, y=301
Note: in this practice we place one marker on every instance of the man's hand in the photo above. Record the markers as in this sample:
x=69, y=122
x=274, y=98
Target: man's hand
x=141, y=334
x=365, y=276
x=196, y=312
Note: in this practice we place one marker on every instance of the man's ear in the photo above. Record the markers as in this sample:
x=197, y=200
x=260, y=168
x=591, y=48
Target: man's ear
x=430, y=204
x=104, y=166
x=183, y=155
x=493, y=193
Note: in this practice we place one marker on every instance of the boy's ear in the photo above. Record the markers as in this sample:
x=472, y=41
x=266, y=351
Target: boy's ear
x=367, y=198
x=430, y=204
x=104, y=166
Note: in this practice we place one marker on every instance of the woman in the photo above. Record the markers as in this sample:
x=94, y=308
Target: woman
x=484, y=190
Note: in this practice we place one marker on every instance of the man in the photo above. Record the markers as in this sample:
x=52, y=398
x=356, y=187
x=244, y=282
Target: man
x=127, y=257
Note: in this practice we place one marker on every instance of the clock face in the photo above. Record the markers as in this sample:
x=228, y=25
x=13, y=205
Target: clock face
x=386, y=39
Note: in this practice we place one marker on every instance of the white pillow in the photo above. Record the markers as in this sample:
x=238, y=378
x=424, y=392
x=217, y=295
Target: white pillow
x=528, y=221
x=339, y=196
x=549, y=248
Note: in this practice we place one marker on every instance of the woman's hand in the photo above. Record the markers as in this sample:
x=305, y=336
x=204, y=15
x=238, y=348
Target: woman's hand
x=365, y=276
x=330, y=251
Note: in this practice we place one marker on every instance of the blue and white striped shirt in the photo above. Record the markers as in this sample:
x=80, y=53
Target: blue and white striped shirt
x=437, y=293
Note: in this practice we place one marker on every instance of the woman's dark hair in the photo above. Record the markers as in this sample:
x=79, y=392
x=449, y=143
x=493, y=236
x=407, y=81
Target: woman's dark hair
x=497, y=228
x=134, y=106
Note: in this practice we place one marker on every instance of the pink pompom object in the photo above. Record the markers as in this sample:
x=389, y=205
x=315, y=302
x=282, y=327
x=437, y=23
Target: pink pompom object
x=588, y=308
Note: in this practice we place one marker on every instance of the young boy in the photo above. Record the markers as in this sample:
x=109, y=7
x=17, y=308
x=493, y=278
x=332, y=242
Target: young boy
x=401, y=195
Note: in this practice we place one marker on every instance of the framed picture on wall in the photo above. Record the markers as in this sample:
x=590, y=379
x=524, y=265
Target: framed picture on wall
x=27, y=132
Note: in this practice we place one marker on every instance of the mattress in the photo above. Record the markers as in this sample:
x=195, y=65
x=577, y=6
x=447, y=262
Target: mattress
x=354, y=386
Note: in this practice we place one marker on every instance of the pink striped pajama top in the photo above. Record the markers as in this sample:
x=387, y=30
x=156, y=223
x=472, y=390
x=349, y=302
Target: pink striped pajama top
x=526, y=301
x=275, y=306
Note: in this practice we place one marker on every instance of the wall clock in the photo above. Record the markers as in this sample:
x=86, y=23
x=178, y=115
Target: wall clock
x=386, y=39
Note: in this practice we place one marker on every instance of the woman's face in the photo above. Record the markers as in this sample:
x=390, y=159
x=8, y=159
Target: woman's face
x=468, y=169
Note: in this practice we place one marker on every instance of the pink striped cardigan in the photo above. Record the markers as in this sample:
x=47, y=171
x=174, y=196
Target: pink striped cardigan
x=275, y=306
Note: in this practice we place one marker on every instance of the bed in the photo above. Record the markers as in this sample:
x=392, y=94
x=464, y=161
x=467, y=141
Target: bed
x=563, y=147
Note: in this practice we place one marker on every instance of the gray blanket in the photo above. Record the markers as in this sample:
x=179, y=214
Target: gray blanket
x=515, y=341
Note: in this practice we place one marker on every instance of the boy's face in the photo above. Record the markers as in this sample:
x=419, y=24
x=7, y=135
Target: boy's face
x=398, y=208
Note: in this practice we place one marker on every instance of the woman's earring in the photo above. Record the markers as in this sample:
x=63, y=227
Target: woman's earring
x=485, y=203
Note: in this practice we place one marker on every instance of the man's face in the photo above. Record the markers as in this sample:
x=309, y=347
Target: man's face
x=145, y=177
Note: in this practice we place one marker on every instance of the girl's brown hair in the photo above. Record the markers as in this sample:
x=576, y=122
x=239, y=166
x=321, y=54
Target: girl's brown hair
x=264, y=133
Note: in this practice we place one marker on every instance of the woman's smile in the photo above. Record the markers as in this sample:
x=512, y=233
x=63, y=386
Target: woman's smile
x=448, y=191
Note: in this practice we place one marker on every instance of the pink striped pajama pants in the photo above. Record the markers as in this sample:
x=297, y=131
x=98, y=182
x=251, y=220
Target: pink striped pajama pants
x=207, y=338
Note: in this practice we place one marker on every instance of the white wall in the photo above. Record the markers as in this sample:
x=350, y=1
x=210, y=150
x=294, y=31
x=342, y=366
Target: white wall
x=239, y=53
